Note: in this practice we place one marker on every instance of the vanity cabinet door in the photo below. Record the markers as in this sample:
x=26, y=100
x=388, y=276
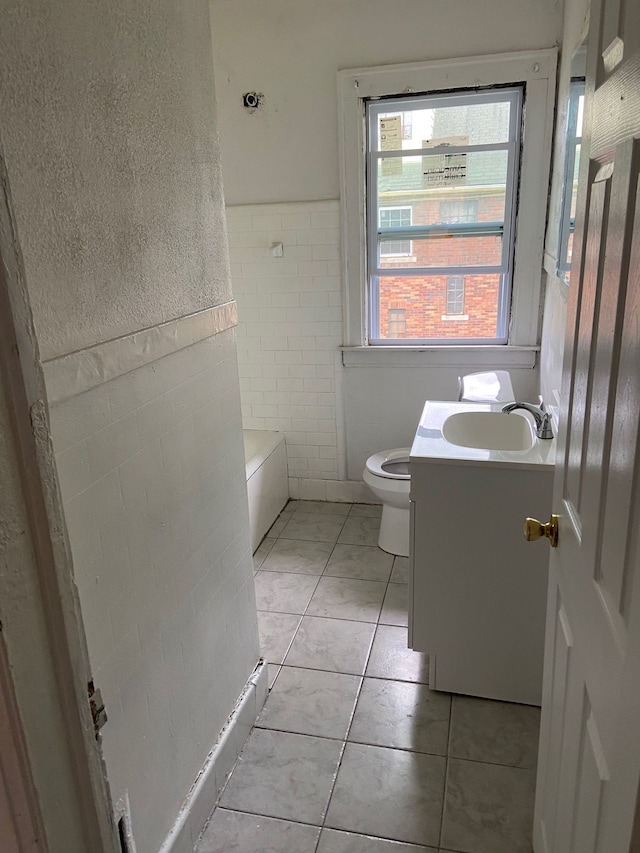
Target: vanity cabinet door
x=478, y=589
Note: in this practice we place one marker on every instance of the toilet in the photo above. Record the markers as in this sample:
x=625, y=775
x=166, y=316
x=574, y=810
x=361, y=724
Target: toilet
x=388, y=475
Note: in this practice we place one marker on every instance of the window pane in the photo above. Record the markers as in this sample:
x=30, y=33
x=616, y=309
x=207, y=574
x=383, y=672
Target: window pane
x=439, y=172
x=478, y=123
x=442, y=251
x=580, y=115
x=426, y=312
x=445, y=188
x=574, y=185
x=572, y=170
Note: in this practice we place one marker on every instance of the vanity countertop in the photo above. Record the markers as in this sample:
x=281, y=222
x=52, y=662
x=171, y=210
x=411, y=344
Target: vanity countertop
x=430, y=446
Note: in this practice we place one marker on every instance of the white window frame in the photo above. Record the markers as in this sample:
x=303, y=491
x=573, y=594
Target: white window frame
x=375, y=109
x=537, y=70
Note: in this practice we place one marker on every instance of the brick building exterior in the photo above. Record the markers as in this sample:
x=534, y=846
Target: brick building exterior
x=427, y=301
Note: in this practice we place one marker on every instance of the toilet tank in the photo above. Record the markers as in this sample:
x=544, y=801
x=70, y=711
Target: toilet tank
x=491, y=386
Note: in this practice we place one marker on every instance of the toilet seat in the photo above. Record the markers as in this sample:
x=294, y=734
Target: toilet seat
x=391, y=464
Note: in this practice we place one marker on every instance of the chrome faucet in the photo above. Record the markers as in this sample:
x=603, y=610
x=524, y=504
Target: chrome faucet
x=542, y=418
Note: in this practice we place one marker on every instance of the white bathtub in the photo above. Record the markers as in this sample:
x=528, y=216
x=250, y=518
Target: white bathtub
x=267, y=481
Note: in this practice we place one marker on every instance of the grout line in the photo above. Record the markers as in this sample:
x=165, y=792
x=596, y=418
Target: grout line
x=293, y=636
x=446, y=773
x=344, y=740
x=269, y=816
x=358, y=694
x=295, y=633
x=334, y=618
x=358, y=674
x=444, y=799
x=361, y=677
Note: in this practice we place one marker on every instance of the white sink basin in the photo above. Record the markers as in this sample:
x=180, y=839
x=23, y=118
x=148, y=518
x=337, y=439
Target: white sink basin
x=489, y=430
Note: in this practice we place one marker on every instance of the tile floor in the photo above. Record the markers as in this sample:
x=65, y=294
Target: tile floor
x=353, y=753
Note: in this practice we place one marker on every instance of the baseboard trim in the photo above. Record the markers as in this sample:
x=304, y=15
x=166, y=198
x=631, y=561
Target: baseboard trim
x=201, y=799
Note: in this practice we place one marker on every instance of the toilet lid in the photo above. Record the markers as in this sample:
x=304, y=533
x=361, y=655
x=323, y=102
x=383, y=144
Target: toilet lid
x=393, y=464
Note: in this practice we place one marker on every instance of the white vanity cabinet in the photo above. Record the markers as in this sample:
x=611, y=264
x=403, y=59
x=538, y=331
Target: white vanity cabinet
x=477, y=588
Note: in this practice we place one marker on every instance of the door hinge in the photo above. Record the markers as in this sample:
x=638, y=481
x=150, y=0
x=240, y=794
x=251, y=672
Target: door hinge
x=98, y=711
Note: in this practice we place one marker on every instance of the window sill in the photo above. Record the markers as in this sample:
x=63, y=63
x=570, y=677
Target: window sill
x=440, y=356
x=452, y=318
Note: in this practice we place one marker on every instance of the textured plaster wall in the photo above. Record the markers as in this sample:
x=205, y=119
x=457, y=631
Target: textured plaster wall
x=107, y=119
x=108, y=137
x=290, y=50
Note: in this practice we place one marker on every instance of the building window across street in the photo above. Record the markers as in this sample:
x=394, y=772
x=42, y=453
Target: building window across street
x=395, y=217
x=397, y=319
x=455, y=294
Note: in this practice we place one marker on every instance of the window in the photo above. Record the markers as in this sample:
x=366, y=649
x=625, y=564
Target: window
x=399, y=218
x=397, y=319
x=459, y=173
x=455, y=295
x=459, y=210
x=461, y=156
x=571, y=173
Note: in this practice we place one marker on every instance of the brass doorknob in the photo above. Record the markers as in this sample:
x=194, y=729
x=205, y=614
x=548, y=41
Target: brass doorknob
x=534, y=529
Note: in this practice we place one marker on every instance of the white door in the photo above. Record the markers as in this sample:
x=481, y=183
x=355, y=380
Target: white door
x=589, y=764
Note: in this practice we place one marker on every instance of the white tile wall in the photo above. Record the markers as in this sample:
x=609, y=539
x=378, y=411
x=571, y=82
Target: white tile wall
x=291, y=373
x=151, y=467
x=289, y=334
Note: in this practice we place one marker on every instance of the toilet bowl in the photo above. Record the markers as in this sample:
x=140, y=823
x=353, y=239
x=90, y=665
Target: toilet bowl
x=387, y=475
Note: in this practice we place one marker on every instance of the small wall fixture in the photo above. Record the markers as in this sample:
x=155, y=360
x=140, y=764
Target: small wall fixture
x=252, y=100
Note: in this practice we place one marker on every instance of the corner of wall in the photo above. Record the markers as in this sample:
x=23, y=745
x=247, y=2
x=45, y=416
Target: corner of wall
x=201, y=799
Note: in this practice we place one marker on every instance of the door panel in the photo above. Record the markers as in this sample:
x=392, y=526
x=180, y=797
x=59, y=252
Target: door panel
x=592, y=775
x=612, y=39
x=589, y=767
x=580, y=404
x=557, y=655
x=623, y=458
